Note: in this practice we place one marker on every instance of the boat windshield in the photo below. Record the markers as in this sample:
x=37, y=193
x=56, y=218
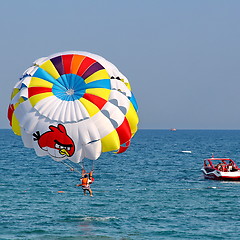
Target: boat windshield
x=221, y=164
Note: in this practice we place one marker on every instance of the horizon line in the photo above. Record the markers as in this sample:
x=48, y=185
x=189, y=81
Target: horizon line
x=169, y=129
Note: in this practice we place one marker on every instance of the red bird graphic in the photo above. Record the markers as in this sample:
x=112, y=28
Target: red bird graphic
x=56, y=142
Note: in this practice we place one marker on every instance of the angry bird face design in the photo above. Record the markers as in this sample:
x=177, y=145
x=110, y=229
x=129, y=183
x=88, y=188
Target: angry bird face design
x=56, y=142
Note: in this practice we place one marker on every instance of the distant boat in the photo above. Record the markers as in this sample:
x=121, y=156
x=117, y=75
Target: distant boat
x=173, y=129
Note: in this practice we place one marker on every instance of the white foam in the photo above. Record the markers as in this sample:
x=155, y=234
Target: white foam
x=98, y=219
x=186, y=151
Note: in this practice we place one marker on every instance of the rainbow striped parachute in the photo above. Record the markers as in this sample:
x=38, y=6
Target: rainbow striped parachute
x=73, y=105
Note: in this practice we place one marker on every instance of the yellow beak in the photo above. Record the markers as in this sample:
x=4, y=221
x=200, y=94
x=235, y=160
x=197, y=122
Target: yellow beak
x=64, y=152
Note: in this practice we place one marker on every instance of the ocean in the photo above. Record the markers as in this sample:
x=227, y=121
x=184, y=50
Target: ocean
x=152, y=191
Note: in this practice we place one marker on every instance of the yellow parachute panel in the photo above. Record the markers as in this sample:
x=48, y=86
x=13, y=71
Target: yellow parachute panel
x=101, y=74
x=100, y=92
x=110, y=142
x=49, y=68
x=16, y=105
x=38, y=82
x=36, y=98
x=14, y=92
x=21, y=100
x=91, y=108
x=132, y=118
x=15, y=125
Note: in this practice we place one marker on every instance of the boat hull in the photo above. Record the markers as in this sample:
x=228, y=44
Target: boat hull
x=221, y=176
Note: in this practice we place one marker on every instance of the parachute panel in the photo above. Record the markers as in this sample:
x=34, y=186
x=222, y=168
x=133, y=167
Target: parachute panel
x=36, y=98
x=14, y=92
x=132, y=118
x=76, y=62
x=49, y=68
x=100, y=92
x=110, y=142
x=101, y=74
x=15, y=125
x=38, y=82
x=91, y=108
x=124, y=132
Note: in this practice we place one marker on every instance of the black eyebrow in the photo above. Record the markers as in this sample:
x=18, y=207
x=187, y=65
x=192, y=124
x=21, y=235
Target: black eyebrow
x=61, y=144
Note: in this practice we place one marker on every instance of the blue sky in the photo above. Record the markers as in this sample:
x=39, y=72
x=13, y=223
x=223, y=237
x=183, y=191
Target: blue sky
x=181, y=57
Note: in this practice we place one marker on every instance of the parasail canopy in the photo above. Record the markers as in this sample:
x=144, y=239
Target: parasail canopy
x=73, y=105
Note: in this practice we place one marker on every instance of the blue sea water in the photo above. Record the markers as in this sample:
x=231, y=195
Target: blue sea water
x=152, y=191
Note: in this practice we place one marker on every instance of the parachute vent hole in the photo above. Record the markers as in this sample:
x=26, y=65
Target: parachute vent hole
x=70, y=92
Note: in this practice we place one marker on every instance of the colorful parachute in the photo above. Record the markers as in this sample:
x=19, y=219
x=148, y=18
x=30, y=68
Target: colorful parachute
x=73, y=105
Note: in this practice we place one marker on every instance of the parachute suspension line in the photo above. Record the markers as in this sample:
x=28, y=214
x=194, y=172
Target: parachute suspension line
x=82, y=167
x=92, y=165
x=70, y=167
x=66, y=165
x=81, y=164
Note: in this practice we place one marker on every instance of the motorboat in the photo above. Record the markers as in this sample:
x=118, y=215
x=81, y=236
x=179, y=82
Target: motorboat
x=224, y=169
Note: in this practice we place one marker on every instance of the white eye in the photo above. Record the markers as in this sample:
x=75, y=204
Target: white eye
x=57, y=146
x=61, y=147
x=68, y=148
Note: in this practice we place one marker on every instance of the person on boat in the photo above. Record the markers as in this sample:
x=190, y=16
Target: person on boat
x=221, y=167
x=231, y=167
